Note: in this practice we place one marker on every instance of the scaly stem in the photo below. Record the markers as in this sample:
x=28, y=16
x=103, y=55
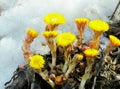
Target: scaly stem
x=76, y=59
x=81, y=29
x=51, y=27
x=97, y=39
x=79, y=40
x=65, y=65
x=26, y=47
x=71, y=68
x=87, y=74
x=67, y=58
x=52, y=46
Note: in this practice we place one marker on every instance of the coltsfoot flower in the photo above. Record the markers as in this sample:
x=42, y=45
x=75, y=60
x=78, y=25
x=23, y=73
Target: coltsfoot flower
x=59, y=80
x=78, y=57
x=99, y=25
x=91, y=53
x=54, y=18
x=37, y=62
x=50, y=38
x=33, y=33
x=65, y=39
x=114, y=40
x=113, y=43
x=81, y=23
x=50, y=34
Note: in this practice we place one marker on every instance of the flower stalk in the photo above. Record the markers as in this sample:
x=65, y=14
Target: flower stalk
x=67, y=53
x=30, y=36
x=76, y=60
x=66, y=40
x=52, y=45
x=98, y=26
x=50, y=38
x=87, y=74
x=53, y=20
x=90, y=57
x=81, y=23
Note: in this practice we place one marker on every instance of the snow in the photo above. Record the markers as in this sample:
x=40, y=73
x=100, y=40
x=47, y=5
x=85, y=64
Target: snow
x=19, y=15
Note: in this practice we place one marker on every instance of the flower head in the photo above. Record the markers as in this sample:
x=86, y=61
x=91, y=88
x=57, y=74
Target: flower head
x=54, y=18
x=50, y=34
x=114, y=40
x=32, y=33
x=81, y=20
x=91, y=53
x=59, y=79
x=99, y=25
x=78, y=56
x=65, y=39
x=37, y=62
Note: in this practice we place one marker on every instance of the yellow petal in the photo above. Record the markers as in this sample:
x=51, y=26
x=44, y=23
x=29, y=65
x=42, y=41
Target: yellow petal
x=65, y=39
x=114, y=40
x=98, y=25
x=37, y=62
x=54, y=18
x=32, y=33
x=50, y=34
x=81, y=20
x=90, y=52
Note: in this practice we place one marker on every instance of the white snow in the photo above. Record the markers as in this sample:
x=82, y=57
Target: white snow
x=19, y=15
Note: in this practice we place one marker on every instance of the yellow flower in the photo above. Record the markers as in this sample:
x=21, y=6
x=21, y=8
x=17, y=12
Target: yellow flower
x=32, y=33
x=91, y=53
x=81, y=20
x=78, y=56
x=114, y=40
x=65, y=39
x=80, y=23
x=99, y=25
x=54, y=18
x=37, y=62
x=50, y=34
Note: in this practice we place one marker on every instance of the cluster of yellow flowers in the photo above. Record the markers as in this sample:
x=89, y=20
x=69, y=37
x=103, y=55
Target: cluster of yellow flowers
x=66, y=39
